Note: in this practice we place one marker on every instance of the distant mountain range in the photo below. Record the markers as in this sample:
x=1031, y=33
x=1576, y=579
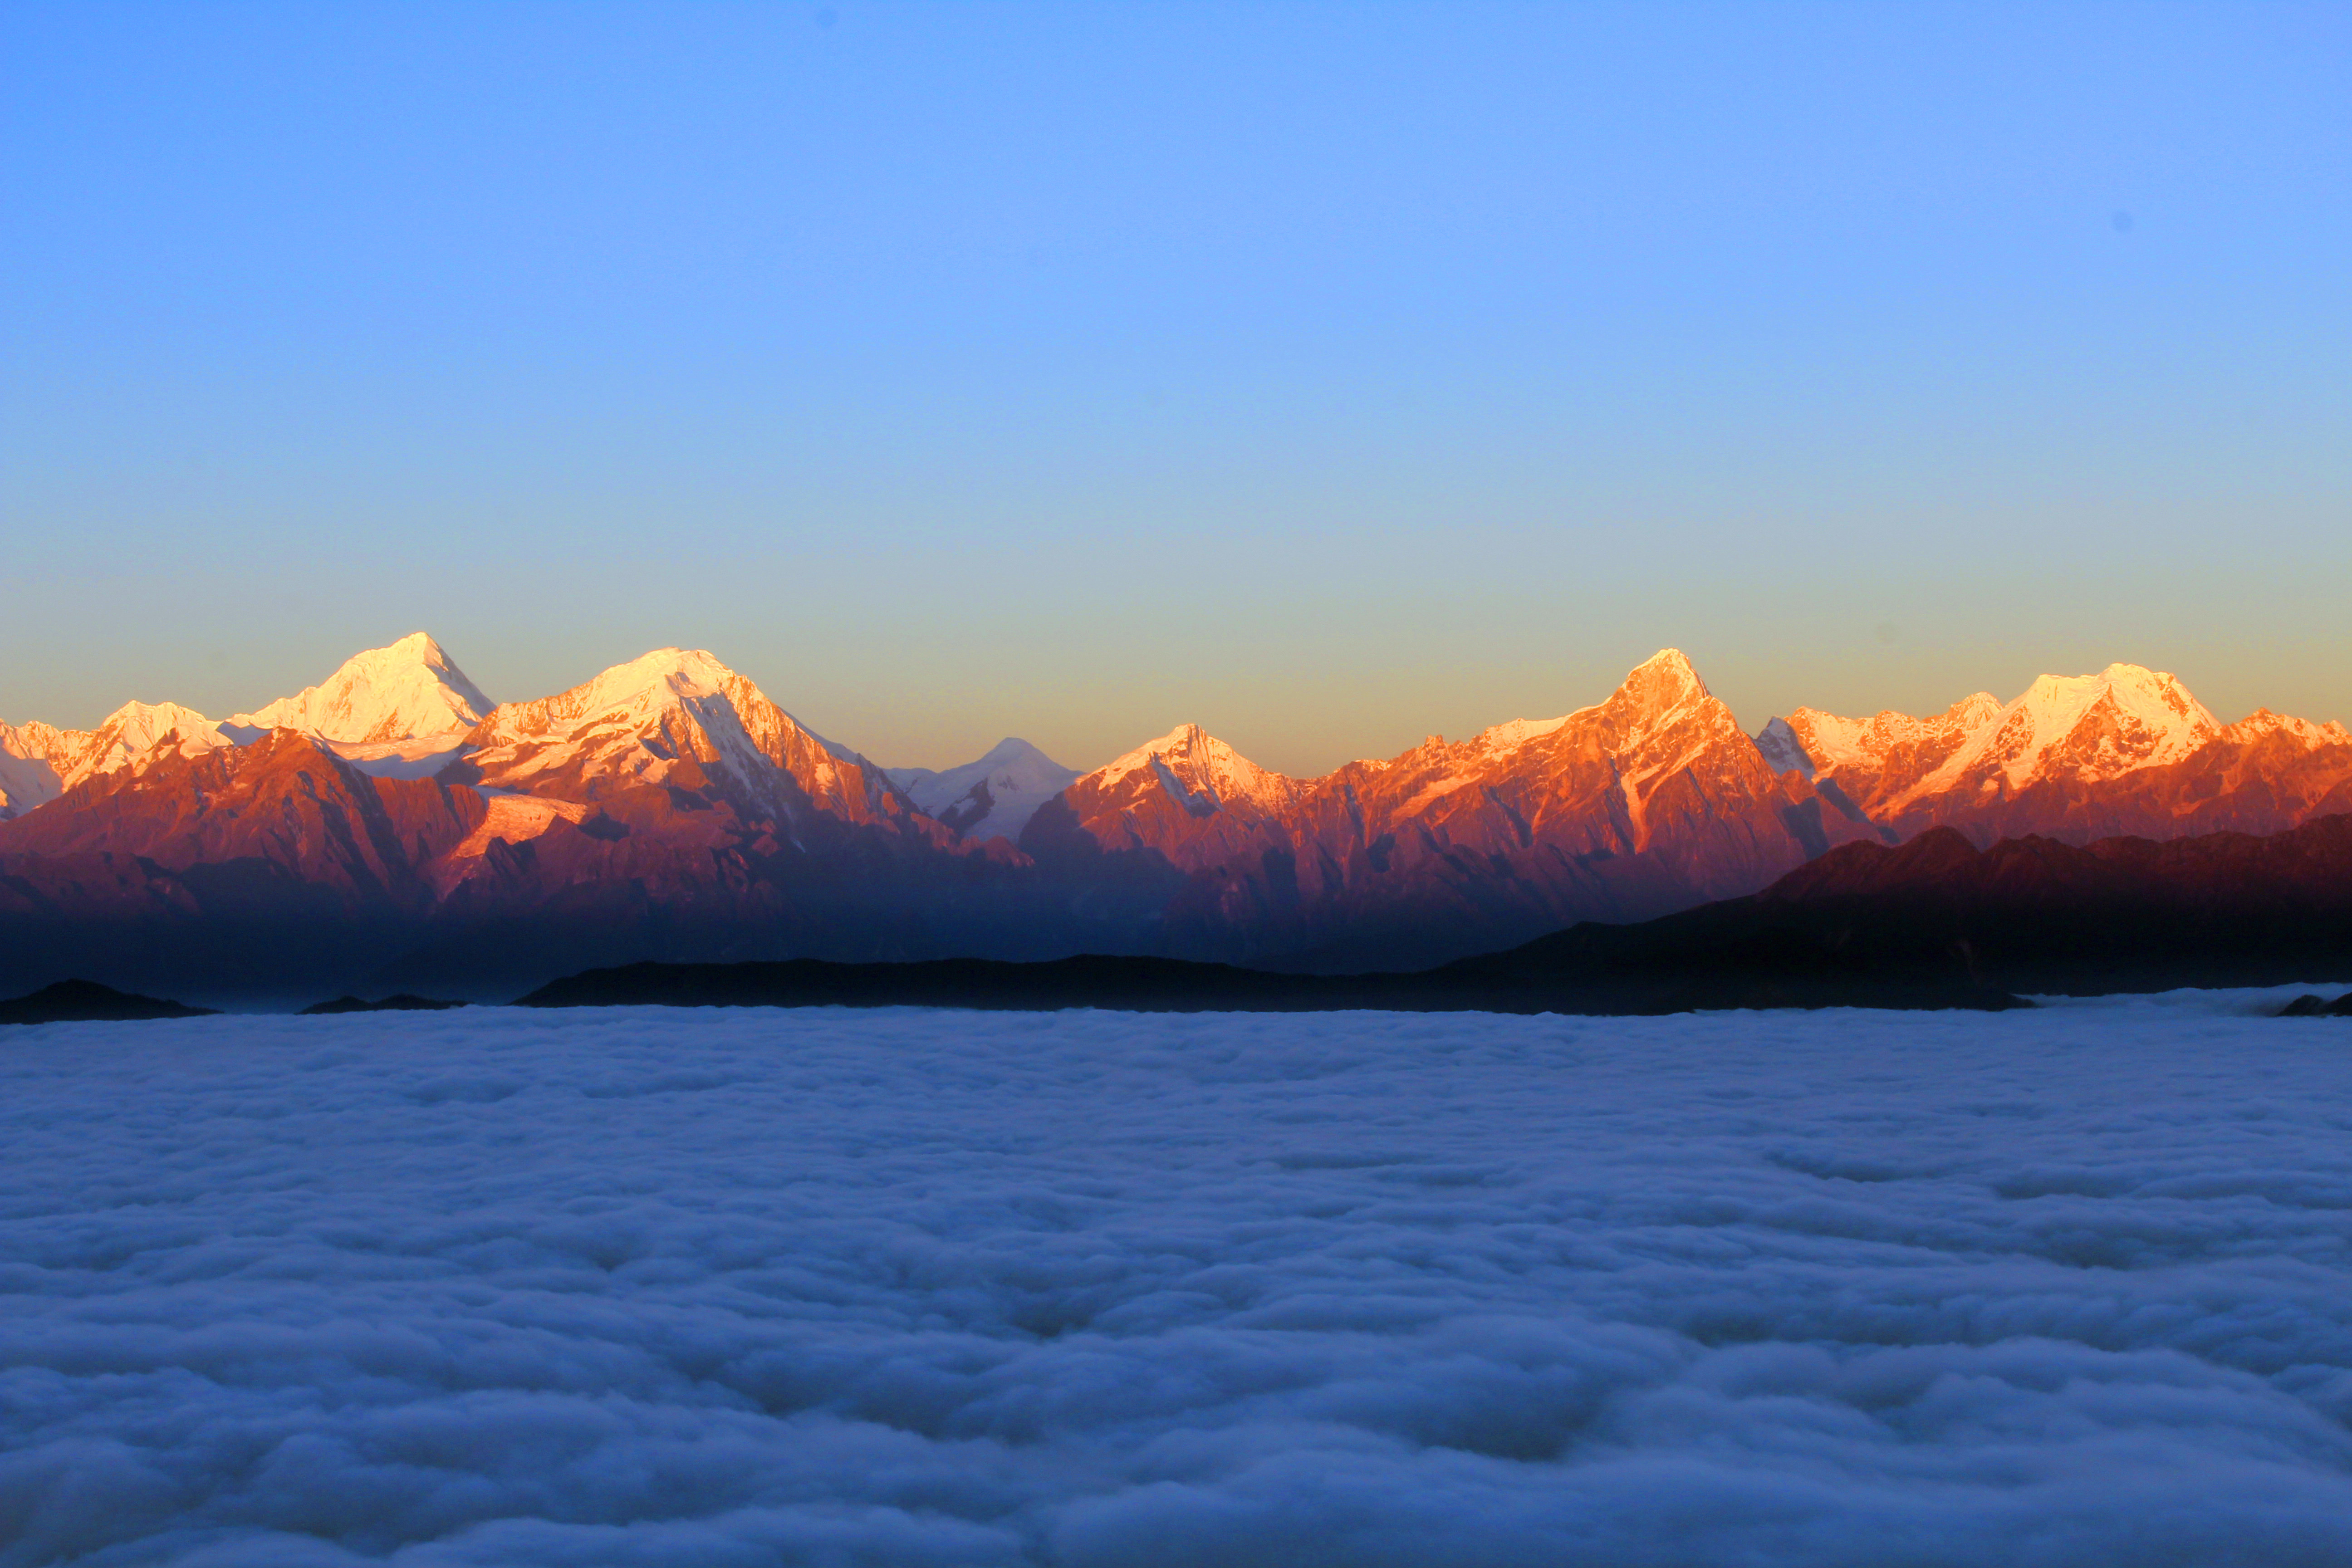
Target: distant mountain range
x=392, y=825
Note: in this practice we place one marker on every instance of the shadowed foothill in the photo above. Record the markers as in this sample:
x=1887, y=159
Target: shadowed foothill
x=88, y=1001
x=1934, y=924
x=402, y=1004
x=2311, y=1006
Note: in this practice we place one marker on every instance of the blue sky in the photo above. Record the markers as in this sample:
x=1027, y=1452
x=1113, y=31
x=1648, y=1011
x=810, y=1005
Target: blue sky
x=1329, y=376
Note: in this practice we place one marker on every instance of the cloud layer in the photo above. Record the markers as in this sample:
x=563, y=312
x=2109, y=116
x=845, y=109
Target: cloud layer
x=643, y=1287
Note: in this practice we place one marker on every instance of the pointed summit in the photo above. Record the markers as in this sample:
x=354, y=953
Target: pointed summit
x=1669, y=664
x=631, y=692
x=1661, y=684
x=1199, y=772
x=405, y=692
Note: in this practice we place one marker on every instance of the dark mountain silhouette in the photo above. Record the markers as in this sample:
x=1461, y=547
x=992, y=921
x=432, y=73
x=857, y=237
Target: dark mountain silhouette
x=87, y=1002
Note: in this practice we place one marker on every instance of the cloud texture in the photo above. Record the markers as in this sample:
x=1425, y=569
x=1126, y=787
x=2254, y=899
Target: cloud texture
x=644, y=1287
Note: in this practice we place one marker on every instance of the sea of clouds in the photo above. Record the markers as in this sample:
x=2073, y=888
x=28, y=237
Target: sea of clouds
x=637, y=1286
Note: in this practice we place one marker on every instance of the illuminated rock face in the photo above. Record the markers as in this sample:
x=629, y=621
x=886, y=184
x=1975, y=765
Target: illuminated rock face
x=1651, y=800
x=2127, y=750
x=673, y=808
x=675, y=712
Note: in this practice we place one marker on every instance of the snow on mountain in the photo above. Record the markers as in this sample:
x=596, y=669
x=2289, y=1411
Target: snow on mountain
x=2261, y=723
x=2081, y=729
x=1655, y=729
x=994, y=796
x=383, y=696
x=676, y=717
x=1827, y=742
x=39, y=762
x=131, y=734
x=1872, y=761
x=397, y=710
x=1199, y=772
x=1651, y=800
x=672, y=777
x=1499, y=740
x=2086, y=728
x=1657, y=721
x=34, y=758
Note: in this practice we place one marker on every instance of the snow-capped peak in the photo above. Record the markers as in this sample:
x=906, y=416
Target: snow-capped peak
x=1201, y=774
x=1661, y=684
x=636, y=723
x=625, y=695
x=1510, y=736
x=1670, y=663
x=34, y=757
x=407, y=690
x=996, y=795
x=135, y=729
x=1666, y=679
x=1661, y=699
x=2086, y=727
x=1657, y=696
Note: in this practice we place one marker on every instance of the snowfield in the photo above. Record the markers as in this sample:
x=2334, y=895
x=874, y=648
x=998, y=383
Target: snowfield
x=639, y=1287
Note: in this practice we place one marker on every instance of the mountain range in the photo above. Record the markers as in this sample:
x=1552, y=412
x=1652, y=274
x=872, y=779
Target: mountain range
x=393, y=826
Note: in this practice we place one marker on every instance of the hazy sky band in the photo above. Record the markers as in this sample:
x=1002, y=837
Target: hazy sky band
x=1327, y=376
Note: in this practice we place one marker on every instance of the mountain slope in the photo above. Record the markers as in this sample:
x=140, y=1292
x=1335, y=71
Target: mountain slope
x=323, y=830
x=668, y=806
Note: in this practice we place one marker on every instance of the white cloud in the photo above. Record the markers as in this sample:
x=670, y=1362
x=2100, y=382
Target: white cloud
x=648, y=1287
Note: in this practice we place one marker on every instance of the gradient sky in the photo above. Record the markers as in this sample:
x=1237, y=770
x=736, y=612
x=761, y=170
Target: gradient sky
x=1330, y=375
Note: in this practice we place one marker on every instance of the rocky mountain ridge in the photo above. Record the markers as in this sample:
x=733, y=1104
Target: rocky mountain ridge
x=1652, y=800
x=670, y=808
x=2127, y=751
